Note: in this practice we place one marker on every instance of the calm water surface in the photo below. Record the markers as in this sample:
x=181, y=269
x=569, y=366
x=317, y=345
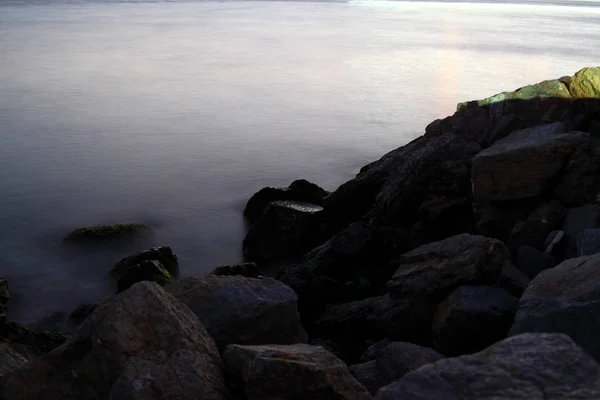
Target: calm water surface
x=173, y=114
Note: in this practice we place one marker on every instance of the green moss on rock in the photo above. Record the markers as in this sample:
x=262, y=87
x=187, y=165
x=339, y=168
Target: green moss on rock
x=37, y=342
x=106, y=233
x=148, y=270
x=82, y=311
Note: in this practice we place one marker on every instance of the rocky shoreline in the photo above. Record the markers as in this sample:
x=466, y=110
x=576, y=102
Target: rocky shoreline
x=465, y=264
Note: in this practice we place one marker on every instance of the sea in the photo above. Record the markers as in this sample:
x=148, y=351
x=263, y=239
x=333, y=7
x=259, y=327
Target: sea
x=173, y=113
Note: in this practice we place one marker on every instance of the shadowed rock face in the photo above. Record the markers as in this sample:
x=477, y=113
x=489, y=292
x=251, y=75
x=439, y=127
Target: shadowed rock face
x=293, y=372
x=524, y=367
x=143, y=344
x=4, y=296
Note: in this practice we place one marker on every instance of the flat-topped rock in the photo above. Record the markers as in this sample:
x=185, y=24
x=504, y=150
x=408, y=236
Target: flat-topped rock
x=110, y=233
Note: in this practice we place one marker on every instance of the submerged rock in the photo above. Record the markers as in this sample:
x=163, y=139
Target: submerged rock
x=143, y=344
x=241, y=310
x=110, y=233
x=299, y=371
x=249, y=270
x=524, y=367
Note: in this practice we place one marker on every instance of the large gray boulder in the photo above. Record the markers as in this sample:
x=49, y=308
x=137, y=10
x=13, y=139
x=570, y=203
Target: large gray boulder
x=240, y=310
x=292, y=372
x=524, y=367
x=564, y=299
x=143, y=344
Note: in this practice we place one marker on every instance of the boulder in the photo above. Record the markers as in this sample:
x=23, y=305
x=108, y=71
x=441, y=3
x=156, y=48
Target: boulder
x=533, y=261
x=524, y=367
x=56, y=321
x=300, y=190
x=472, y=318
x=555, y=244
x=110, y=233
x=497, y=219
x=162, y=254
x=577, y=220
x=299, y=371
x=4, y=296
x=31, y=343
x=149, y=270
x=585, y=84
x=235, y=309
x=285, y=229
x=249, y=270
x=82, y=311
x=512, y=280
x=143, y=344
x=390, y=361
x=9, y=359
x=564, y=299
x=536, y=228
x=522, y=169
x=579, y=184
x=588, y=242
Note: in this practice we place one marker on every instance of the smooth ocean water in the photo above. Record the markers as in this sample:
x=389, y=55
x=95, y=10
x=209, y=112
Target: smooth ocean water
x=173, y=114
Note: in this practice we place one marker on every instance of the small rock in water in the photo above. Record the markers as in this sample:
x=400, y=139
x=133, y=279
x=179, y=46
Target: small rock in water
x=110, y=233
x=249, y=270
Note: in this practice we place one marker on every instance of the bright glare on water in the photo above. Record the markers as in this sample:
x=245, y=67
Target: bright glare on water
x=173, y=114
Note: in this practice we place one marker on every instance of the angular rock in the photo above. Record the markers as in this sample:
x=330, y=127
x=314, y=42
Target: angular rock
x=4, y=296
x=368, y=375
x=29, y=342
x=534, y=231
x=524, y=367
x=588, y=242
x=241, y=310
x=149, y=270
x=81, y=312
x=472, y=318
x=585, y=84
x=285, y=229
x=580, y=182
x=249, y=270
x=512, y=280
x=518, y=170
x=577, y=220
x=110, y=233
x=300, y=190
x=56, y=321
x=564, y=299
x=143, y=344
x=532, y=261
x=291, y=372
x=533, y=133
x=9, y=359
x=162, y=254
x=555, y=244
x=497, y=219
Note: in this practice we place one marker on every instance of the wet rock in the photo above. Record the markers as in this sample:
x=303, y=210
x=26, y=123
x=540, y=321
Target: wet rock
x=300, y=190
x=564, y=299
x=472, y=318
x=512, y=280
x=241, y=310
x=249, y=270
x=390, y=362
x=285, y=229
x=110, y=233
x=162, y=254
x=297, y=371
x=524, y=367
x=518, y=170
x=532, y=261
x=149, y=270
x=577, y=220
x=143, y=344
x=588, y=242
x=9, y=359
x=4, y=296
x=81, y=312
x=534, y=231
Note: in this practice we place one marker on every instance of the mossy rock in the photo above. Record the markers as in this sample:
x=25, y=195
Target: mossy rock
x=148, y=270
x=4, y=295
x=163, y=254
x=110, y=233
x=37, y=343
x=82, y=311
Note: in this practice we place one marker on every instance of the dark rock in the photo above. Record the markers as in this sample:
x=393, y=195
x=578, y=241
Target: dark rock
x=564, y=299
x=390, y=361
x=577, y=220
x=300, y=190
x=249, y=270
x=299, y=371
x=4, y=296
x=512, y=280
x=110, y=233
x=580, y=182
x=524, y=367
x=83, y=311
x=56, y=321
x=555, y=244
x=497, y=219
x=472, y=318
x=143, y=344
x=236, y=309
x=534, y=231
x=31, y=343
x=532, y=261
x=285, y=229
x=149, y=270
x=518, y=170
x=162, y=254
x=9, y=359
x=588, y=242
